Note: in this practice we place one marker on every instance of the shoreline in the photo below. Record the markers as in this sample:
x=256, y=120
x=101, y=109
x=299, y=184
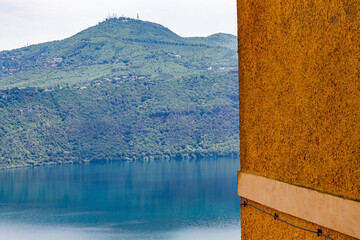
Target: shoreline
x=47, y=164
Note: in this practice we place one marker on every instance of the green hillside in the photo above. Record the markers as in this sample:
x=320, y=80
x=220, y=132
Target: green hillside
x=116, y=48
x=124, y=89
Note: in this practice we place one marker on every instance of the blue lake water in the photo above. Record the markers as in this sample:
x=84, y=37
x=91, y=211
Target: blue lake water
x=161, y=199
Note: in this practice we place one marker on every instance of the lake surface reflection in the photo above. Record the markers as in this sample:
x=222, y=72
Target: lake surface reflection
x=162, y=199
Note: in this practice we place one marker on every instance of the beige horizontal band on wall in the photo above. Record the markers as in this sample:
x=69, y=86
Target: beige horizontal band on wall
x=326, y=210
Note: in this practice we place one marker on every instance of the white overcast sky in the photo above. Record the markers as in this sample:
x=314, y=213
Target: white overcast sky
x=25, y=22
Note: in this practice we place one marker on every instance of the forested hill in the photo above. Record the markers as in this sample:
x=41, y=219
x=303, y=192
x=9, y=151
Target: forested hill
x=116, y=48
x=124, y=89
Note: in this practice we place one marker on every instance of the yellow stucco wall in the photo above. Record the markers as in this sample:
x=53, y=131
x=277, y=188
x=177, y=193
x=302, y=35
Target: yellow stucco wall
x=299, y=83
x=300, y=92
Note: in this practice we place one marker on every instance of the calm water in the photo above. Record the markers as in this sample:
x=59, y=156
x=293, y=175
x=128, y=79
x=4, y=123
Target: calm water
x=176, y=199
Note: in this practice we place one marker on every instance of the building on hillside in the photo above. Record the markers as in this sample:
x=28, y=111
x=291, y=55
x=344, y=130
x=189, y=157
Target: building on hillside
x=299, y=88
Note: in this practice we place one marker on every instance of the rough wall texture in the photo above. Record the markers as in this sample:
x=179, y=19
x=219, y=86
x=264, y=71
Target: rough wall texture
x=257, y=225
x=299, y=82
x=300, y=92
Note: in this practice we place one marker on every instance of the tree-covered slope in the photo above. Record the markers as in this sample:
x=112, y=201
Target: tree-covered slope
x=124, y=89
x=192, y=116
